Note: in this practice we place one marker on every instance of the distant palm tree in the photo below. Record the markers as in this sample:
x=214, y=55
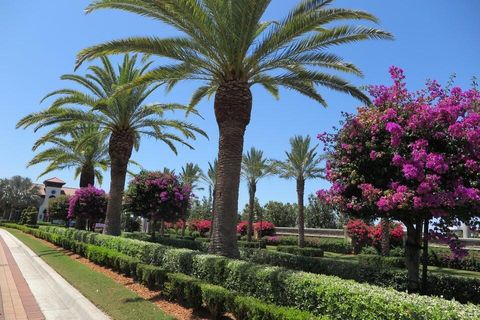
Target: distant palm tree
x=302, y=163
x=123, y=116
x=17, y=193
x=254, y=168
x=85, y=149
x=190, y=175
x=211, y=179
x=226, y=45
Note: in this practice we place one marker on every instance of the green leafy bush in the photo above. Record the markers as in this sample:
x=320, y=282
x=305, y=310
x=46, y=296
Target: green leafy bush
x=319, y=294
x=377, y=261
x=309, y=252
x=29, y=216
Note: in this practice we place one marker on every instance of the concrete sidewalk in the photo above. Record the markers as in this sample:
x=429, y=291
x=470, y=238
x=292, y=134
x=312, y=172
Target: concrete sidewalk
x=52, y=294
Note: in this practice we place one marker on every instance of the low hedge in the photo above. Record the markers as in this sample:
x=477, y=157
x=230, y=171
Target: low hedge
x=377, y=261
x=337, y=245
x=308, y=252
x=168, y=241
x=319, y=294
x=185, y=289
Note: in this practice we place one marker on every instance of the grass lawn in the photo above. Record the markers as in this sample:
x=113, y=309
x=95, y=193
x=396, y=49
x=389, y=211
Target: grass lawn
x=114, y=299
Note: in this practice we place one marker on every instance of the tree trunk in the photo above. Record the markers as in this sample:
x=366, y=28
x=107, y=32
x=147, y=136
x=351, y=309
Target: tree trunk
x=184, y=226
x=385, y=240
x=233, y=106
x=120, y=149
x=301, y=214
x=87, y=176
x=425, y=256
x=252, y=188
x=412, y=254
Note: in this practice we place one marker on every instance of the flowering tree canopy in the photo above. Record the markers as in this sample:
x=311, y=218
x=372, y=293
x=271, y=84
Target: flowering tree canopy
x=409, y=156
x=89, y=203
x=157, y=196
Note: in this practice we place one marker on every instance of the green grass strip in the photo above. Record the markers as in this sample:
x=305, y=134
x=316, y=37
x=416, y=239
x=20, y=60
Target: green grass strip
x=114, y=299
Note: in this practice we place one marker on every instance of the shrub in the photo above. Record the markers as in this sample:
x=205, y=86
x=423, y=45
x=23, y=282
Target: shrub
x=359, y=231
x=320, y=294
x=242, y=227
x=151, y=276
x=201, y=226
x=377, y=261
x=174, y=242
x=87, y=203
x=309, y=252
x=29, y=216
x=264, y=228
x=58, y=208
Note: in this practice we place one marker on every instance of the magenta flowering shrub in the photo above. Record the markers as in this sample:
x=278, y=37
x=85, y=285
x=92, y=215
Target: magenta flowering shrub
x=202, y=226
x=88, y=203
x=408, y=156
x=157, y=196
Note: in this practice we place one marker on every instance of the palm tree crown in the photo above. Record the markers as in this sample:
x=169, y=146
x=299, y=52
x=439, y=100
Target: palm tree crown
x=302, y=161
x=255, y=166
x=226, y=41
x=84, y=149
x=191, y=174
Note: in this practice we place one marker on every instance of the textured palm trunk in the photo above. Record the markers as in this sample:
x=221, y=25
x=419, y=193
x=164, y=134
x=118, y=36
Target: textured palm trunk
x=120, y=149
x=385, y=240
x=87, y=176
x=301, y=213
x=233, y=106
x=251, y=208
x=412, y=254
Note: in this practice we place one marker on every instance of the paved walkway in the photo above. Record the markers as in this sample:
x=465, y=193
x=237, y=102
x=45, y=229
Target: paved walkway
x=32, y=290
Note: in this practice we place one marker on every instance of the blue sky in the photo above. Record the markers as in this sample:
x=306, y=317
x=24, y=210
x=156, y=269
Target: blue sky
x=39, y=41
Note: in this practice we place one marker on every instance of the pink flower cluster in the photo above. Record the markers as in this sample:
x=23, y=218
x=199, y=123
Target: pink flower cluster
x=408, y=154
x=88, y=202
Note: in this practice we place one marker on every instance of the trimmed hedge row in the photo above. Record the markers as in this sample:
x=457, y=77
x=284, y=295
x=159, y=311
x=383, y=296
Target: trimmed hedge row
x=308, y=252
x=186, y=289
x=377, y=261
x=168, y=241
x=337, y=245
x=322, y=295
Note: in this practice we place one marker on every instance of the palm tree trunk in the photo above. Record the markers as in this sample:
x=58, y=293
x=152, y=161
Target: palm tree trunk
x=233, y=106
x=251, y=204
x=120, y=149
x=301, y=214
x=385, y=240
x=87, y=176
x=412, y=254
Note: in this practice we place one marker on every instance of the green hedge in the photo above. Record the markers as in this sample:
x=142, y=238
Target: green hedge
x=188, y=290
x=377, y=261
x=320, y=294
x=168, y=241
x=337, y=245
x=309, y=252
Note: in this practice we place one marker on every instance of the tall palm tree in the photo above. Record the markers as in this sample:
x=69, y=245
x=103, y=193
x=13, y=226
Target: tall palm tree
x=226, y=45
x=254, y=167
x=85, y=149
x=190, y=175
x=302, y=163
x=124, y=117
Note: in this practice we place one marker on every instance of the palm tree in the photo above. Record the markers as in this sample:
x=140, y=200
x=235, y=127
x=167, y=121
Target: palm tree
x=190, y=175
x=302, y=163
x=254, y=167
x=124, y=117
x=86, y=151
x=226, y=45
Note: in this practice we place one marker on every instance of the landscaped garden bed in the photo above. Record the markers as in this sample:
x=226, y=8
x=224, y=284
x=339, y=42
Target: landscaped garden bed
x=322, y=295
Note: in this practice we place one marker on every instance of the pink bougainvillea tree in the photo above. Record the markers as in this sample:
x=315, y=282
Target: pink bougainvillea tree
x=88, y=204
x=157, y=196
x=409, y=156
